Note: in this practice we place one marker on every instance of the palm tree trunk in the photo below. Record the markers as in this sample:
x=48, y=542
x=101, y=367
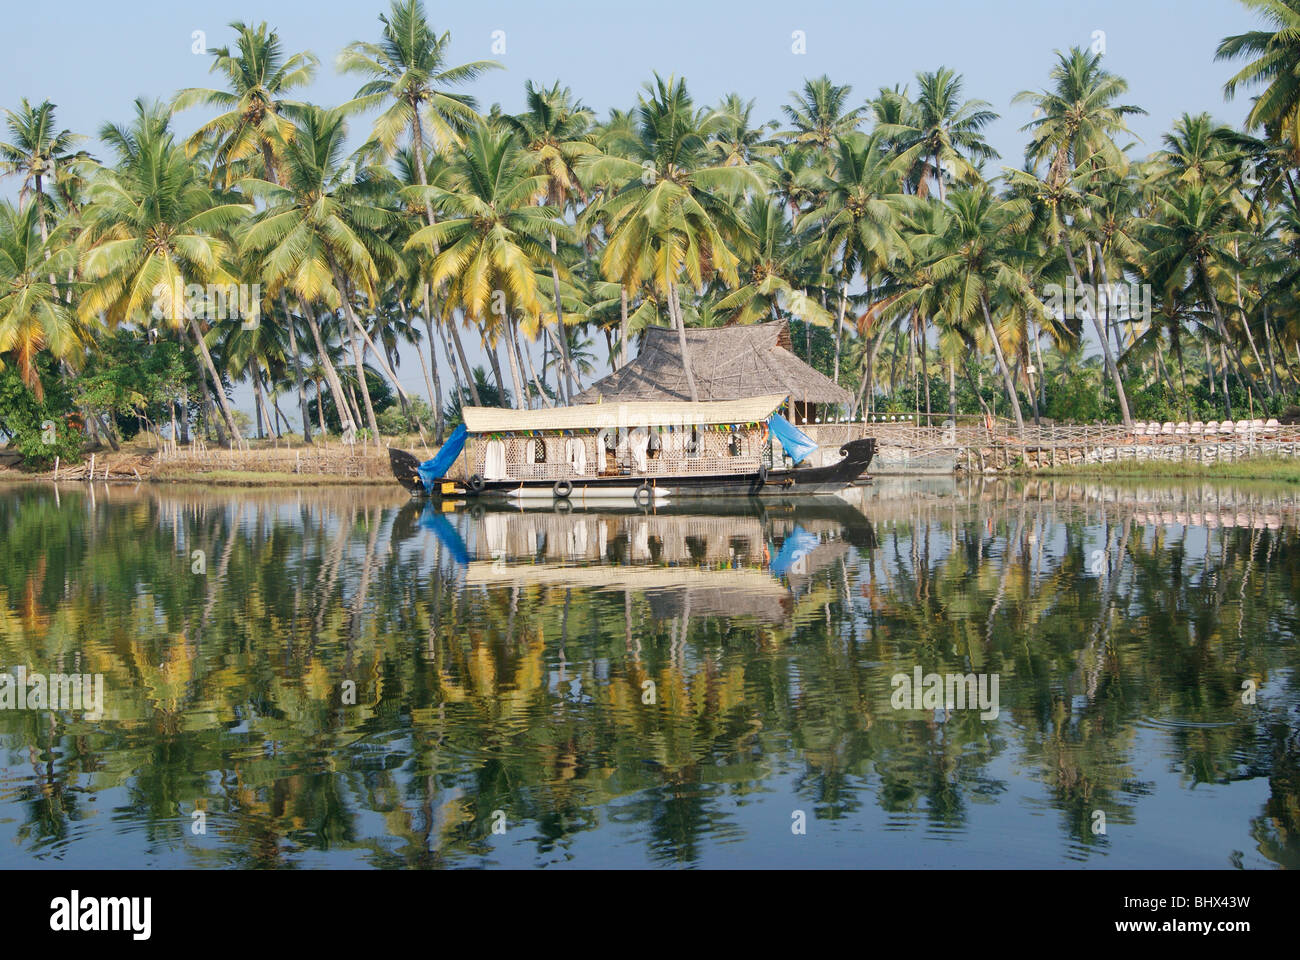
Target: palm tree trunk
x=354, y=326
x=452, y=365
x=464, y=364
x=622, y=327
x=431, y=373
x=346, y=423
x=839, y=327
x=532, y=374
x=1268, y=349
x=259, y=411
x=925, y=369
x=222, y=402
x=513, y=360
x=495, y=363
x=1002, y=366
x=1111, y=367
x=674, y=305
x=297, y=368
x=566, y=394
x=320, y=409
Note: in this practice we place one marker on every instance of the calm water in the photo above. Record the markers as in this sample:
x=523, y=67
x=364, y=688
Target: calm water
x=341, y=678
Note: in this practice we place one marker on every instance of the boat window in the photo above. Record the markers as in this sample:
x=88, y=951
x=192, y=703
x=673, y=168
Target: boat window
x=539, y=451
x=733, y=445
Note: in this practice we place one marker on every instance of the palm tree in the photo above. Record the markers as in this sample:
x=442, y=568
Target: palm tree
x=860, y=216
x=253, y=129
x=257, y=117
x=979, y=265
x=491, y=237
x=555, y=132
x=408, y=72
x=320, y=237
x=1077, y=119
x=943, y=134
x=1057, y=205
x=39, y=154
x=34, y=316
x=1196, y=234
x=152, y=226
x=1276, y=67
x=818, y=114
x=774, y=271
x=671, y=213
x=734, y=139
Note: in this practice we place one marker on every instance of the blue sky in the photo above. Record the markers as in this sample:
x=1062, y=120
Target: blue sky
x=93, y=58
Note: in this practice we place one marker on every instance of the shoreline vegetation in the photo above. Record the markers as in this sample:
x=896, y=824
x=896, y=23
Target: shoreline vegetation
x=291, y=463
x=1084, y=282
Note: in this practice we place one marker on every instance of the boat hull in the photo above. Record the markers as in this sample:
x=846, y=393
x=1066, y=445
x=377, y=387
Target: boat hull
x=806, y=481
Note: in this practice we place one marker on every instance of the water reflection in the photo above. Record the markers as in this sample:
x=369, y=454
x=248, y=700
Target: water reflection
x=345, y=678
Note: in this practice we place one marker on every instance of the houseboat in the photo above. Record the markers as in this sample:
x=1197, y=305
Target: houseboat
x=642, y=451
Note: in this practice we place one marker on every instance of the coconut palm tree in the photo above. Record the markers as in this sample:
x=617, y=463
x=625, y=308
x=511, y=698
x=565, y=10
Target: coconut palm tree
x=1057, y=206
x=1197, y=233
x=1276, y=67
x=555, y=131
x=39, y=154
x=672, y=215
x=153, y=225
x=979, y=265
x=321, y=239
x=1077, y=119
x=943, y=134
x=256, y=118
x=408, y=74
x=491, y=236
x=34, y=316
x=774, y=271
x=860, y=216
x=820, y=113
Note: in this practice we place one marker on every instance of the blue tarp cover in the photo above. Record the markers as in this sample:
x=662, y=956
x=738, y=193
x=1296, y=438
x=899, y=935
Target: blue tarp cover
x=433, y=521
x=441, y=462
x=793, y=440
x=797, y=545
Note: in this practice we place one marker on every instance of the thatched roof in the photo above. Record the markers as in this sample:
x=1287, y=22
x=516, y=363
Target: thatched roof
x=729, y=363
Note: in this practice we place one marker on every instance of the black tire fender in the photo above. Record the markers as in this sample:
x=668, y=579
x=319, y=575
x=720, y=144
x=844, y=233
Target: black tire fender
x=476, y=483
x=562, y=489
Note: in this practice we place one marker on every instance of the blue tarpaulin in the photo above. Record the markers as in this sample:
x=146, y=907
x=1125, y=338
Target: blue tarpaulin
x=441, y=462
x=433, y=521
x=793, y=440
x=797, y=545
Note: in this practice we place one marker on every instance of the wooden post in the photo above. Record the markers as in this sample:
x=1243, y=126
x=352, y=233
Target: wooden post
x=56, y=468
x=91, y=474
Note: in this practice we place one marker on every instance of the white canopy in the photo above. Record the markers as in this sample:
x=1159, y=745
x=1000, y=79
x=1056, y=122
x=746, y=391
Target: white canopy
x=601, y=416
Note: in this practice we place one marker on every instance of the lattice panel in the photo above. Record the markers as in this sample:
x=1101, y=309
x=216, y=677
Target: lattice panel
x=713, y=456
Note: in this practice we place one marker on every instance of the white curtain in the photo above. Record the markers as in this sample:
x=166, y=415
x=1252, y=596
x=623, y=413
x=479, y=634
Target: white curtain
x=578, y=539
x=638, y=442
x=494, y=462
x=497, y=531
x=575, y=453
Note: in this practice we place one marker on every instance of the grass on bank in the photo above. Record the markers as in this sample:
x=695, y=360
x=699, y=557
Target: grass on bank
x=1276, y=469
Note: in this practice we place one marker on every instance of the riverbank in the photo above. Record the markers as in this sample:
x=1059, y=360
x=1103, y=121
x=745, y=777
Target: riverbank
x=284, y=463
x=1276, y=469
